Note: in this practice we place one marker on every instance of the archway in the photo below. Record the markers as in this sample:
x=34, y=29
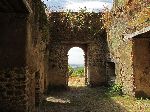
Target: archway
x=76, y=67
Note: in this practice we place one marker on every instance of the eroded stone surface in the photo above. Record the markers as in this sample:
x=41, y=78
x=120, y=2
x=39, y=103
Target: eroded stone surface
x=64, y=38
x=34, y=57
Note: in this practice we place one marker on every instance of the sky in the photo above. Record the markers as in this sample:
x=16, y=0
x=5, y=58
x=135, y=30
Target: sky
x=76, y=56
x=75, y=5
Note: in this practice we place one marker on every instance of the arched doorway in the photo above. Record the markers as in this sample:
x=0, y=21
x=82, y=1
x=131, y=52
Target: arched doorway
x=76, y=67
x=94, y=63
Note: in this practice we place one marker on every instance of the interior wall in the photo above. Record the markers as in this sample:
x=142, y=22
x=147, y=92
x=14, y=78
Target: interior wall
x=13, y=75
x=21, y=58
x=64, y=36
x=13, y=40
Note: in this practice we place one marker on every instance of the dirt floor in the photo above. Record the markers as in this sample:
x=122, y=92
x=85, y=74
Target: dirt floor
x=76, y=82
x=84, y=99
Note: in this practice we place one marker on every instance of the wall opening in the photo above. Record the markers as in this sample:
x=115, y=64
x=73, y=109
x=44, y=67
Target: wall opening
x=111, y=76
x=76, y=67
x=37, y=88
x=141, y=65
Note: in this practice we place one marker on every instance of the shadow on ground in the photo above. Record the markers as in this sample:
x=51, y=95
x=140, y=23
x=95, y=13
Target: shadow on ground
x=82, y=99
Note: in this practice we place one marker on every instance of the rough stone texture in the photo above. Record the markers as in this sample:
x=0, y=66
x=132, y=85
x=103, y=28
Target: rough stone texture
x=126, y=52
x=120, y=52
x=13, y=91
x=37, y=59
x=63, y=39
x=31, y=61
x=96, y=64
x=12, y=59
x=22, y=55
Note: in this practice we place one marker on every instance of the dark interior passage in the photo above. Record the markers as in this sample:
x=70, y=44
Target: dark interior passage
x=141, y=65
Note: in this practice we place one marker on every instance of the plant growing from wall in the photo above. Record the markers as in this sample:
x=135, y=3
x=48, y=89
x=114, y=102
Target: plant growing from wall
x=42, y=19
x=78, y=21
x=83, y=20
x=115, y=89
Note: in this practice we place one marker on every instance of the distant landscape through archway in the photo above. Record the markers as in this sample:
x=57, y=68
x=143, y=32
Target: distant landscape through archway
x=76, y=67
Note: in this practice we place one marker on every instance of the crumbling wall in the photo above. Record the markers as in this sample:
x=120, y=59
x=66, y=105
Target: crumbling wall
x=37, y=54
x=120, y=52
x=13, y=75
x=125, y=20
x=57, y=66
x=96, y=64
x=64, y=37
x=21, y=57
x=15, y=89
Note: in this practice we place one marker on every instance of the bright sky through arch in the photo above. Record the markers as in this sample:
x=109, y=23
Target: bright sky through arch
x=76, y=56
x=76, y=5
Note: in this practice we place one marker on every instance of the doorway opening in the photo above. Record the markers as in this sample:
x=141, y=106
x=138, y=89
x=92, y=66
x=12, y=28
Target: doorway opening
x=111, y=76
x=141, y=65
x=76, y=67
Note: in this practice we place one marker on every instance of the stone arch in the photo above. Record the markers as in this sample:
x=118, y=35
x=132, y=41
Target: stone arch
x=76, y=47
x=84, y=49
x=63, y=39
x=94, y=63
x=81, y=46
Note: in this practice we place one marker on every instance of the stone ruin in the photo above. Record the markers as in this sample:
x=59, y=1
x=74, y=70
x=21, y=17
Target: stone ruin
x=33, y=56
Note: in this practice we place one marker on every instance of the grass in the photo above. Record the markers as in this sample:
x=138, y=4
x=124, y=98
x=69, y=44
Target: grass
x=132, y=104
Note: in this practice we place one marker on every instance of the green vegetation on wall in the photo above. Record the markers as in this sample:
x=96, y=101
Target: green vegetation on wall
x=42, y=19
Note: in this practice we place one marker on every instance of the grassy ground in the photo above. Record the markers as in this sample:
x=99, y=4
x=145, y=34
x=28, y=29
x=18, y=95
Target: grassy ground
x=84, y=99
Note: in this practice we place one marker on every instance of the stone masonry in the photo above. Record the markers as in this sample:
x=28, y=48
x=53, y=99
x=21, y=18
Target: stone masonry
x=34, y=48
x=22, y=55
x=63, y=39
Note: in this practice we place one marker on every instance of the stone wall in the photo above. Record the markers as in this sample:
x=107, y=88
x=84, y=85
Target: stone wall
x=14, y=91
x=121, y=46
x=121, y=54
x=64, y=37
x=13, y=61
x=57, y=65
x=22, y=54
x=96, y=62
x=37, y=54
